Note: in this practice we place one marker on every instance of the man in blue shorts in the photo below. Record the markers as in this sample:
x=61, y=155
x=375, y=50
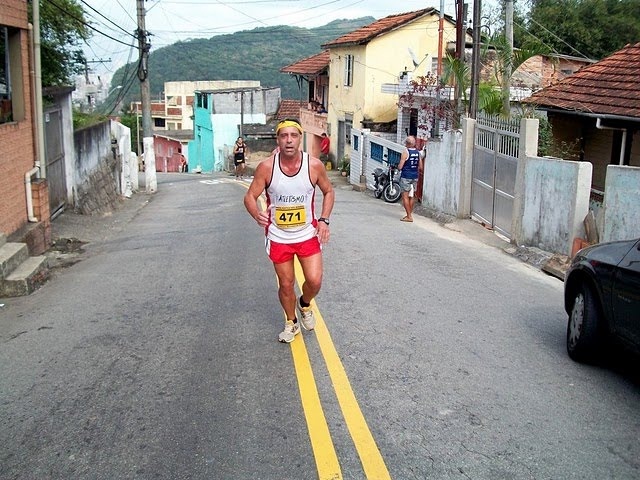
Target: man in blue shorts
x=410, y=167
x=289, y=178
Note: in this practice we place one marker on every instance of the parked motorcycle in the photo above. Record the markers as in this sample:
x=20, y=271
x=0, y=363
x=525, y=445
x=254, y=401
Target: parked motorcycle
x=385, y=184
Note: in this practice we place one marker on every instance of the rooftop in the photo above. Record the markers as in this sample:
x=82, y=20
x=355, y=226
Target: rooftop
x=289, y=109
x=367, y=33
x=608, y=87
x=312, y=65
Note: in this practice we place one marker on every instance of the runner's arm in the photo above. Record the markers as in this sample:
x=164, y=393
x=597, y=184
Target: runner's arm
x=328, y=197
x=258, y=185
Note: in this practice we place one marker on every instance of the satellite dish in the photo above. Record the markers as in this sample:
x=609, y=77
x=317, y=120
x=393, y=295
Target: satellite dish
x=414, y=57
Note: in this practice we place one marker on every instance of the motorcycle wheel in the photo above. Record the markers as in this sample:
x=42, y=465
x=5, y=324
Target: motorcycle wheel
x=392, y=192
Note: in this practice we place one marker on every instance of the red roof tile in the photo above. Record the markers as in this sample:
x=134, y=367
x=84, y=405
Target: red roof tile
x=312, y=65
x=608, y=87
x=289, y=109
x=367, y=33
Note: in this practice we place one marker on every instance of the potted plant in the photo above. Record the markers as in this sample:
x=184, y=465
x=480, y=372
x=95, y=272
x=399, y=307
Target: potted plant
x=344, y=166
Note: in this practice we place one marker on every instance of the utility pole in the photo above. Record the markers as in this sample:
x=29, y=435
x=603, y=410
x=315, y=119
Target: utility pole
x=475, y=61
x=461, y=44
x=439, y=71
x=86, y=66
x=507, y=67
x=144, y=47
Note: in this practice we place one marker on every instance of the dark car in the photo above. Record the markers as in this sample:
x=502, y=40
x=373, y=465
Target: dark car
x=602, y=298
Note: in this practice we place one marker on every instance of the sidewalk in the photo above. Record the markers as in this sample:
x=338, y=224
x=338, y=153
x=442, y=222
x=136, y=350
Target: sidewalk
x=555, y=265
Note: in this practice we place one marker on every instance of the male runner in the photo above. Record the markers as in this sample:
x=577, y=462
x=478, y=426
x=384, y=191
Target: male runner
x=289, y=178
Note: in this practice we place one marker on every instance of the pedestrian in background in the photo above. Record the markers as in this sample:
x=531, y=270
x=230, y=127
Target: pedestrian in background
x=325, y=146
x=410, y=166
x=289, y=178
x=240, y=153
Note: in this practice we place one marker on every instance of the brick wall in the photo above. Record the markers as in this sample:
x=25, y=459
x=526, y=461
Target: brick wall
x=16, y=138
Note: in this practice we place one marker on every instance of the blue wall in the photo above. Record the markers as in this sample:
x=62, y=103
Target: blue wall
x=201, y=147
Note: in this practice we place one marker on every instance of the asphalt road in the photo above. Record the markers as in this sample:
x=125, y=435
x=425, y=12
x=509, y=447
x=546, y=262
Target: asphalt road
x=437, y=356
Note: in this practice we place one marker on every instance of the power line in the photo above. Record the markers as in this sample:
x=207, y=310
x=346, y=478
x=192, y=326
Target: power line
x=106, y=18
x=88, y=25
x=560, y=39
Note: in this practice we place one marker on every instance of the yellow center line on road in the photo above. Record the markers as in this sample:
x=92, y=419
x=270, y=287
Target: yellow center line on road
x=368, y=451
x=324, y=451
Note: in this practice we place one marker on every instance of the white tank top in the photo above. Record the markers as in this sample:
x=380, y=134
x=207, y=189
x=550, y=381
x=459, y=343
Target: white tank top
x=290, y=201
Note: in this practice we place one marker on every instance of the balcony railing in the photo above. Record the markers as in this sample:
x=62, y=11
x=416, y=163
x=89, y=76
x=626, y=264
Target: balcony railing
x=313, y=122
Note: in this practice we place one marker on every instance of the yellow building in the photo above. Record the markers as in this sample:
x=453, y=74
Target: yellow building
x=361, y=61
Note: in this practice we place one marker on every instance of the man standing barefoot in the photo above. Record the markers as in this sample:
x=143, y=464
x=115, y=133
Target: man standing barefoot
x=410, y=167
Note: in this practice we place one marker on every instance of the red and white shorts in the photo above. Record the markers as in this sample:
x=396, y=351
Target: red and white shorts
x=284, y=252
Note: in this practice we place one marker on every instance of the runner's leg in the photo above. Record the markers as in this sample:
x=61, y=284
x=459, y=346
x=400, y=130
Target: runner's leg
x=312, y=270
x=286, y=292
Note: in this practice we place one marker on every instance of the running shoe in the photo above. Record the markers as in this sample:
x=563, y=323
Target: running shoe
x=289, y=333
x=307, y=318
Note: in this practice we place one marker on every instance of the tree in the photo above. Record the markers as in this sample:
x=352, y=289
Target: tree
x=593, y=28
x=63, y=28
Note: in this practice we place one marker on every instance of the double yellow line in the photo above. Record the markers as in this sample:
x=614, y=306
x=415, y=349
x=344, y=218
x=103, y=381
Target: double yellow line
x=323, y=449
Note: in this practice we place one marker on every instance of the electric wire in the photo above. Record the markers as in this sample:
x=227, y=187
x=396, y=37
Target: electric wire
x=88, y=25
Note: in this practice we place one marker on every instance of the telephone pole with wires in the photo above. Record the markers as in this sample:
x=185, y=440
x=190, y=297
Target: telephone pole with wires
x=475, y=60
x=144, y=47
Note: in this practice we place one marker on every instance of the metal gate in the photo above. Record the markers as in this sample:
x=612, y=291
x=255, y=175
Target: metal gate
x=495, y=162
x=54, y=158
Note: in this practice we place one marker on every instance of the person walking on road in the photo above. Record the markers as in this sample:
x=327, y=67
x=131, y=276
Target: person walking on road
x=325, y=146
x=240, y=152
x=410, y=166
x=289, y=179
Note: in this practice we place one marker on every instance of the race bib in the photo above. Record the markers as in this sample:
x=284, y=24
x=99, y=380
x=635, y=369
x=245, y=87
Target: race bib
x=290, y=217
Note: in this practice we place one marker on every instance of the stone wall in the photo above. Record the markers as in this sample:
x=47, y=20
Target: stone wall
x=98, y=193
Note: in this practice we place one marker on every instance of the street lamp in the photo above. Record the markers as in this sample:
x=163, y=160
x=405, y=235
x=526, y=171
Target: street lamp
x=113, y=90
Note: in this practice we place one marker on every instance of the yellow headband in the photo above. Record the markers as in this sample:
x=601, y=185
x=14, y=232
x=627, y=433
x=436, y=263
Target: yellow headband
x=288, y=123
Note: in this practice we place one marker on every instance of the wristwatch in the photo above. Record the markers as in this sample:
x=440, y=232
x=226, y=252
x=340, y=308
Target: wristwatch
x=325, y=220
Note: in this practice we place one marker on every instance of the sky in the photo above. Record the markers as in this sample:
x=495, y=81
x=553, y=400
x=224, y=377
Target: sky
x=169, y=21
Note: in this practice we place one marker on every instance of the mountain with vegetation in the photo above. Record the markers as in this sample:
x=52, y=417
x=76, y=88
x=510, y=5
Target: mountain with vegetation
x=256, y=54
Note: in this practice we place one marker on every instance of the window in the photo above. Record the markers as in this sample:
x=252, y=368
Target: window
x=12, y=108
x=348, y=70
x=159, y=122
x=393, y=157
x=377, y=151
x=201, y=100
x=434, y=65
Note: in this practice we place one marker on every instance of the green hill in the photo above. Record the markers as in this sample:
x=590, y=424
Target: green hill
x=256, y=54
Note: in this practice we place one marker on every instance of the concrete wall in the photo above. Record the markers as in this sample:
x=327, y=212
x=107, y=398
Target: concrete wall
x=556, y=201
x=225, y=134
x=443, y=173
x=128, y=159
x=621, y=204
x=96, y=172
